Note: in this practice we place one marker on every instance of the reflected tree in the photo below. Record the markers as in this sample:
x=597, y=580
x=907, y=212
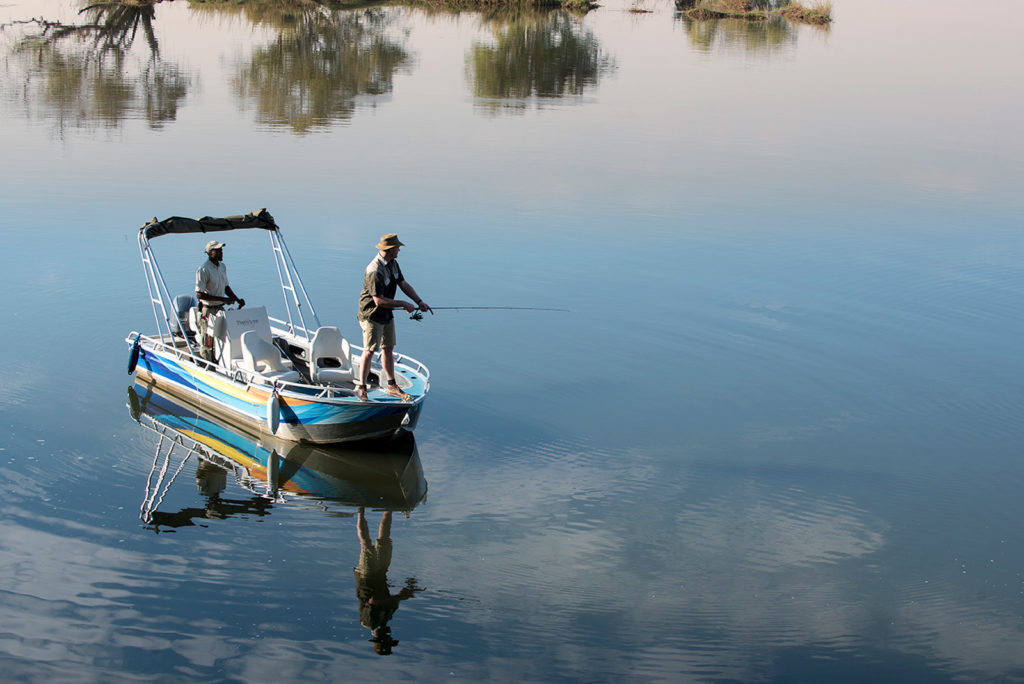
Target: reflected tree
x=535, y=56
x=762, y=35
x=318, y=70
x=280, y=15
x=753, y=25
x=88, y=73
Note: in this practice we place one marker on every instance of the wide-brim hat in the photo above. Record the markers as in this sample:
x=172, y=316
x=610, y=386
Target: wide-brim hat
x=389, y=241
x=213, y=244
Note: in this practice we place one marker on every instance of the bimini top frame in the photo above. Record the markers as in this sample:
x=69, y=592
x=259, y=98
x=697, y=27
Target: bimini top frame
x=295, y=297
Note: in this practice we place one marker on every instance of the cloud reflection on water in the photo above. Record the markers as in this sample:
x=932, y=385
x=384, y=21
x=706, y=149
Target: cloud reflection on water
x=777, y=572
x=551, y=554
x=771, y=531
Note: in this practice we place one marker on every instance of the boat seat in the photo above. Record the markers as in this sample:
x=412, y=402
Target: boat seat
x=330, y=357
x=184, y=306
x=264, y=359
x=230, y=324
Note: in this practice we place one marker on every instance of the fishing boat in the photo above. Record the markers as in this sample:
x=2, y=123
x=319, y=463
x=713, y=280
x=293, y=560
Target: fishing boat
x=382, y=474
x=289, y=376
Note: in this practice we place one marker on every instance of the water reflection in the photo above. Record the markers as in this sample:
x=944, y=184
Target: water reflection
x=384, y=476
x=95, y=71
x=277, y=14
x=387, y=477
x=534, y=56
x=752, y=35
x=377, y=605
x=762, y=35
x=320, y=67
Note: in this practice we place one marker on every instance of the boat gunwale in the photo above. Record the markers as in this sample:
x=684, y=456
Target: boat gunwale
x=250, y=422
x=287, y=389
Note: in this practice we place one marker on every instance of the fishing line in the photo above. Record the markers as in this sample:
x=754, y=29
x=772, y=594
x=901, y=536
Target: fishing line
x=418, y=315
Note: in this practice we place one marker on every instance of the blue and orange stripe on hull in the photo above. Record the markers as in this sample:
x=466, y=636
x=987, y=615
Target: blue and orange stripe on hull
x=306, y=419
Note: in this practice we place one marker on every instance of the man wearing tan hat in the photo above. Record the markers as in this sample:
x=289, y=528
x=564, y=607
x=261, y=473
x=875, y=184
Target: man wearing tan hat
x=213, y=292
x=376, y=312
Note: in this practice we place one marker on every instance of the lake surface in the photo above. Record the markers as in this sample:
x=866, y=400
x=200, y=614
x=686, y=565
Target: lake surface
x=777, y=438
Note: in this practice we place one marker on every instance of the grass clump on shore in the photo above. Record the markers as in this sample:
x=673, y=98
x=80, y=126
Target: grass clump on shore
x=702, y=10
x=818, y=13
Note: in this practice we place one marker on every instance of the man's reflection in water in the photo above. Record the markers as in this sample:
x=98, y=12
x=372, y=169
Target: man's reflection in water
x=211, y=480
x=376, y=602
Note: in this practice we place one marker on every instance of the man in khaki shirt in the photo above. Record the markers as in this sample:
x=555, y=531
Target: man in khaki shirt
x=377, y=302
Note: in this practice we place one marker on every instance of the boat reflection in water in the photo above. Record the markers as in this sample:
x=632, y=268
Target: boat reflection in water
x=385, y=476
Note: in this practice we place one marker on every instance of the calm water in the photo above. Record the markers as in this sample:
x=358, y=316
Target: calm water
x=776, y=439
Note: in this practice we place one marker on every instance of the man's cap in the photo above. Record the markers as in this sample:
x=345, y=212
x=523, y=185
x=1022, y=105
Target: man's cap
x=388, y=241
x=213, y=244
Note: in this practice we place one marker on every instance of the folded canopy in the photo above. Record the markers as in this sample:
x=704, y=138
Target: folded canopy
x=208, y=224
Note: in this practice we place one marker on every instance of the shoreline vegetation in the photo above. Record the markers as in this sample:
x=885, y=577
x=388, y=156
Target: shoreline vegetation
x=579, y=6
x=820, y=13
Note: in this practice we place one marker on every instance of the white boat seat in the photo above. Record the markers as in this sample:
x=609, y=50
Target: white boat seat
x=263, y=358
x=330, y=357
x=230, y=324
x=183, y=305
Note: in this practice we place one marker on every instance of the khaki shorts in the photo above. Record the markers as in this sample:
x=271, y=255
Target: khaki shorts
x=378, y=335
x=376, y=559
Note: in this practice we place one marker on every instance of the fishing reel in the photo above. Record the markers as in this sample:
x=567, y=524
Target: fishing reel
x=416, y=316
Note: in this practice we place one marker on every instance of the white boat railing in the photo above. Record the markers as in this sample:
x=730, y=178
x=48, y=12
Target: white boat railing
x=159, y=297
x=400, y=359
x=251, y=378
x=288, y=275
x=242, y=375
x=296, y=299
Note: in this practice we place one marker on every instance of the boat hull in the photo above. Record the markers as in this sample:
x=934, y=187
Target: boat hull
x=304, y=417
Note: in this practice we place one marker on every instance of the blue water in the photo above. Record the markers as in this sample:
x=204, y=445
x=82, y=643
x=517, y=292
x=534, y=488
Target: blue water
x=776, y=438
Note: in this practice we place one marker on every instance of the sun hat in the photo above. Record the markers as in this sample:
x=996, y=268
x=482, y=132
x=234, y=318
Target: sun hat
x=213, y=244
x=389, y=241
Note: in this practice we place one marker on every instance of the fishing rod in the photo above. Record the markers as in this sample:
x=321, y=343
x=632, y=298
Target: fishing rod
x=418, y=315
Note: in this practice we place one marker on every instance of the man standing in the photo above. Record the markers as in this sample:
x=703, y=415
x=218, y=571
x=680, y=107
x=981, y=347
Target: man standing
x=213, y=292
x=376, y=316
